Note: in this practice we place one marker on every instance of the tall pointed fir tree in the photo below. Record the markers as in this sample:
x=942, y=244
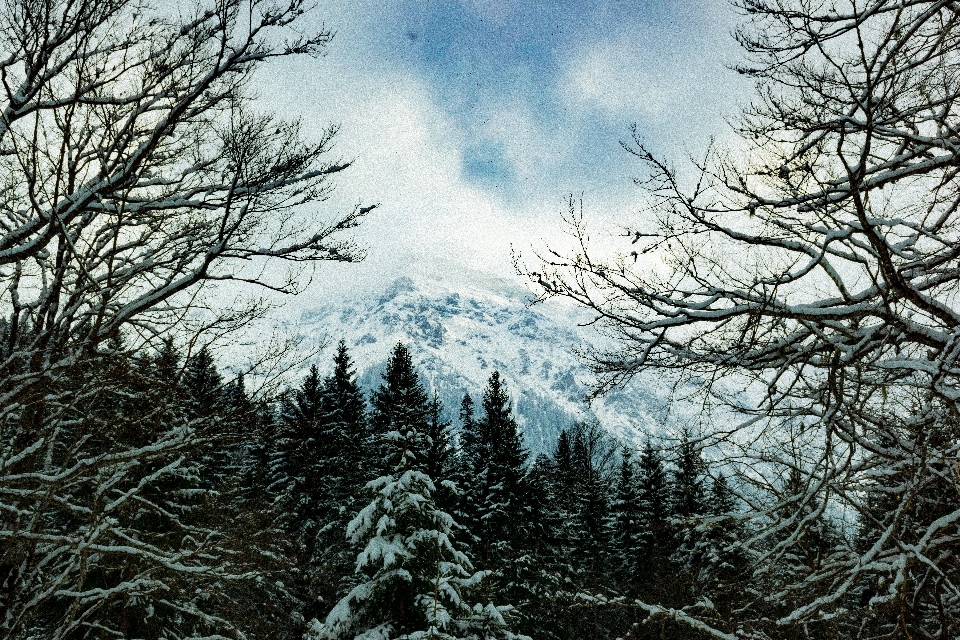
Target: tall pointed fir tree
x=344, y=422
x=302, y=444
x=440, y=463
x=246, y=511
x=413, y=583
x=565, y=503
x=502, y=510
x=655, y=579
x=564, y=482
x=399, y=405
x=592, y=508
x=502, y=516
x=625, y=523
x=346, y=466
x=689, y=502
x=302, y=469
x=689, y=478
x=551, y=612
x=725, y=573
x=472, y=458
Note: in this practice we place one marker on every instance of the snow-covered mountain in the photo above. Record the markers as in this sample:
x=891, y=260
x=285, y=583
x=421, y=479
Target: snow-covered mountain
x=459, y=337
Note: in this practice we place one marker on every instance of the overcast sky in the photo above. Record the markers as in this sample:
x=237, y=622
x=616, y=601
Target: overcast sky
x=471, y=121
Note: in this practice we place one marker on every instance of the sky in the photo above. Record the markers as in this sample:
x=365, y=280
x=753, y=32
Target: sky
x=471, y=122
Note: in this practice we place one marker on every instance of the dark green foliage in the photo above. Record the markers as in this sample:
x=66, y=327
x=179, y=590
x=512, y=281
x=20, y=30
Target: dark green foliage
x=653, y=490
x=303, y=446
x=440, y=462
x=203, y=383
x=400, y=406
x=185, y=503
x=469, y=463
x=688, y=491
x=499, y=472
x=570, y=540
x=625, y=521
x=726, y=569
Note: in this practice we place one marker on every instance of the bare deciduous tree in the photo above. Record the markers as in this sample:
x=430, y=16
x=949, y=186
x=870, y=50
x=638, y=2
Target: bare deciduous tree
x=819, y=261
x=134, y=168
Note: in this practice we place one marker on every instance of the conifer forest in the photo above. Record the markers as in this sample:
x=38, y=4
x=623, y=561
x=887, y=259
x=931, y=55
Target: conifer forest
x=172, y=466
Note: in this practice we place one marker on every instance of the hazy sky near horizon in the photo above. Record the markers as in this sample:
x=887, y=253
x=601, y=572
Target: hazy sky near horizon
x=472, y=121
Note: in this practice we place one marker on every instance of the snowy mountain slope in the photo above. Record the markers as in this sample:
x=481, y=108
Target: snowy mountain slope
x=458, y=338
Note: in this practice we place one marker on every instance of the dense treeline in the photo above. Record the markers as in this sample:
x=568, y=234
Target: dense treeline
x=325, y=514
x=143, y=494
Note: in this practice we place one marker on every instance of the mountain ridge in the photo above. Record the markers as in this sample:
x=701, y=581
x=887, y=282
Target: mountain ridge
x=459, y=337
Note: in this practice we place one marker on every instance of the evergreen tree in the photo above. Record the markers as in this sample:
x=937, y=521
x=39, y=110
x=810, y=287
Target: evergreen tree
x=301, y=481
x=688, y=491
x=203, y=383
x=344, y=421
x=413, y=581
x=400, y=405
x=563, y=459
x=473, y=457
x=439, y=458
x=343, y=424
x=303, y=438
x=303, y=442
x=440, y=463
x=564, y=482
x=501, y=475
x=542, y=573
x=689, y=504
x=591, y=514
x=725, y=573
x=496, y=509
x=467, y=423
x=653, y=491
x=655, y=579
x=625, y=521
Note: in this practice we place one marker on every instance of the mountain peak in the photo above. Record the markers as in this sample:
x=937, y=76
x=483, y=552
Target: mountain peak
x=459, y=337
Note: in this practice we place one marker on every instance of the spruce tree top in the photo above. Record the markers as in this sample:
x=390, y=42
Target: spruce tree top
x=400, y=407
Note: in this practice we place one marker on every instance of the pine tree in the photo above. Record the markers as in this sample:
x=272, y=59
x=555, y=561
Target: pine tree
x=303, y=442
x=344, y=421
x=203, y=383
x=185, y=505
x=502, y=509
x=301, y=474
x=563, y=458
x=542, y=573
x=564, y=483
x=468, y=426
x=413, y=581
x=689, y=503
x=343, y=424
x=725, y=573
x=625, y=520
x=496, y=510
x=400, y=405
x=688, y=491
x=655, y=579
x=440, y=463
x=473, y=457
x=591, y=513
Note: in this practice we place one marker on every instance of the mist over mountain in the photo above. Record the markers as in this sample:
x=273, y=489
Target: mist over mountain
x=458, y=337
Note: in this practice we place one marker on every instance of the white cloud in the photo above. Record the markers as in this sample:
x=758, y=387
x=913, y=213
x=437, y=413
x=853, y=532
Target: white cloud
x=408, y=157
x=409, y=152
x=619, y=78
x=674, y=83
